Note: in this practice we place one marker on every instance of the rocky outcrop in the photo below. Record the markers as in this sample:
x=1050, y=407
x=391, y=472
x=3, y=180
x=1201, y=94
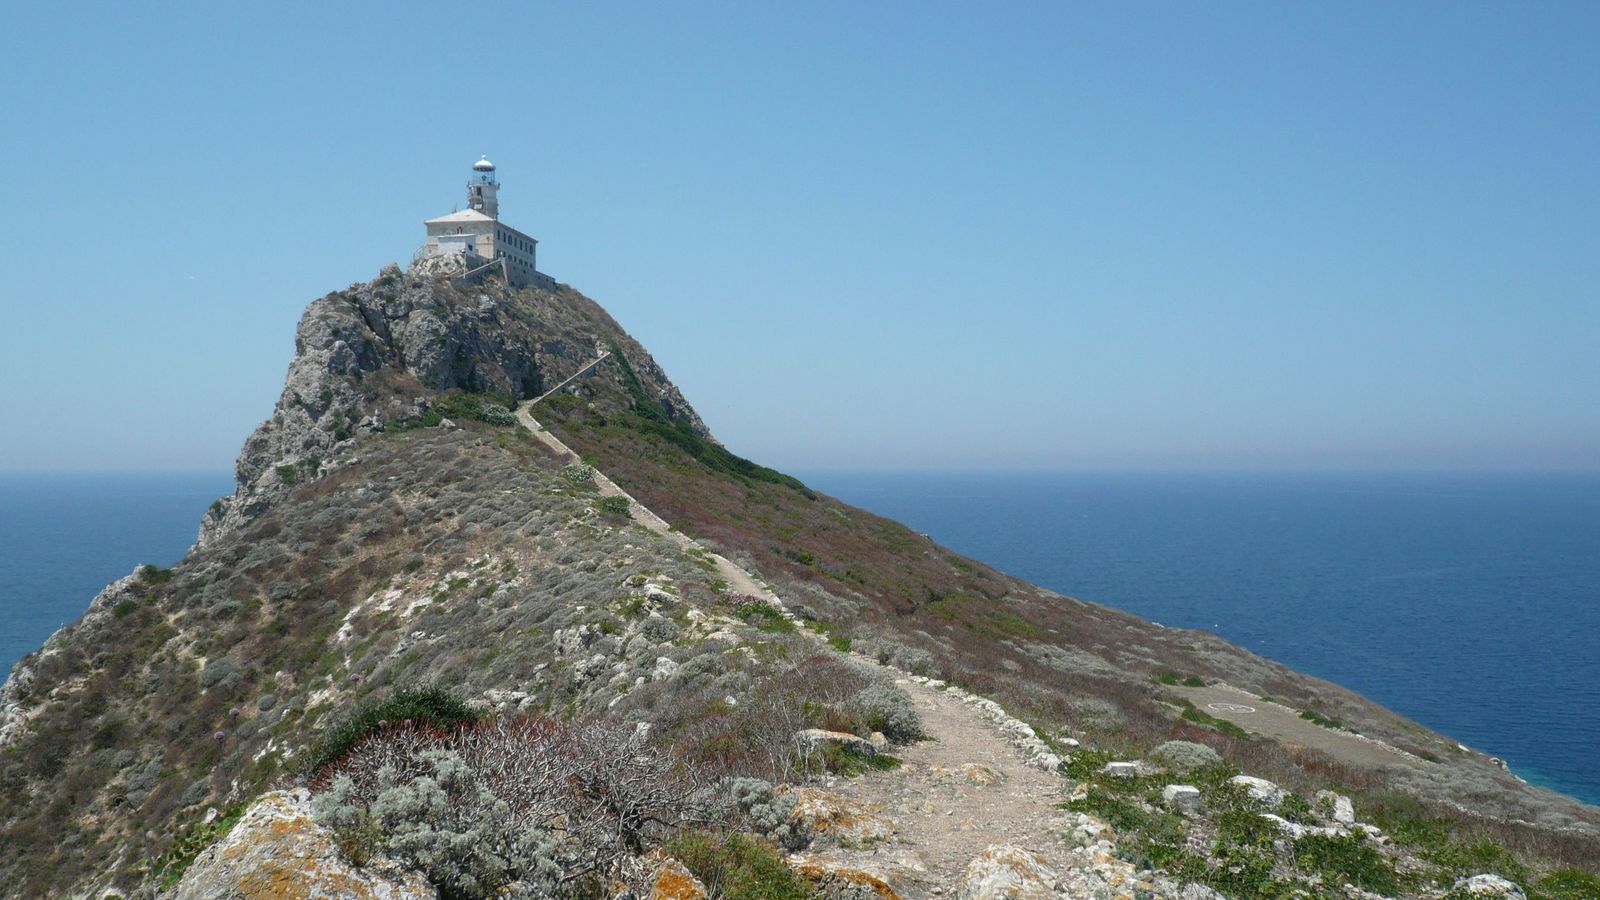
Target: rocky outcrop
x=372, y=355
x=277, y=851
x=1489, y=887
x=16, y=700
x=828, y=815
x=812, y=739
x=1007, y=873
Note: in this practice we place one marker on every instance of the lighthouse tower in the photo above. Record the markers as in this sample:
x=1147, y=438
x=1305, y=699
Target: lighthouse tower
x=483, y=189
x=478, y=236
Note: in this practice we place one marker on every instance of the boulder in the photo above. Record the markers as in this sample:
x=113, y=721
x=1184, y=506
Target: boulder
x=1337, y=808
x=812, y=739
x=1259, y=789
x=673, y=881
x=278, y=850
x=1489, y=886
x=1182, y=798
x=825, y=814
x=835, y=879
x=1007, y=873
x=664, y=668
x=1132, y=769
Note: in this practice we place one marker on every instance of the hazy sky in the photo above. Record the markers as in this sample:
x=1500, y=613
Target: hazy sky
x=858, y=235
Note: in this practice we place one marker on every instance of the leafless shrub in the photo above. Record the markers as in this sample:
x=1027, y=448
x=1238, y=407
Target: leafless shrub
x=593, y=787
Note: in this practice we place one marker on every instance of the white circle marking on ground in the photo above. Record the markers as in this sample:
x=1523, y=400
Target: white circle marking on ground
x=1231, y=707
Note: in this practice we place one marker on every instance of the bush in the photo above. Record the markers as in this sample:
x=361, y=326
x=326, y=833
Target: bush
x=915, y=660
x=613, y=505
x=1186, y=755
x=427, y=706
x=495, y=414
x=511, y=799
x=442, y=819
x=578, y=473
x=737, y=866
x=888, y=709
x=766, y=813
x=1346, y=858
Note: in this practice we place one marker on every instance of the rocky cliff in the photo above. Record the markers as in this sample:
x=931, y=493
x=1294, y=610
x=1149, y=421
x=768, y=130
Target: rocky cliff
x=722, y=682
x=374, y=356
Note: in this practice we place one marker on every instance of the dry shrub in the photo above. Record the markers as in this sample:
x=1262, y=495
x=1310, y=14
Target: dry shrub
x=592, y=790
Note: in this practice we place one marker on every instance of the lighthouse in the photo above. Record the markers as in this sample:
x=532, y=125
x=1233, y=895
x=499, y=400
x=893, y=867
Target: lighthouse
x=479, y=237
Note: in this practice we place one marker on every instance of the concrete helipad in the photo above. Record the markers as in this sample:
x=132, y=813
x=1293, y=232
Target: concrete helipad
x=1283, y=724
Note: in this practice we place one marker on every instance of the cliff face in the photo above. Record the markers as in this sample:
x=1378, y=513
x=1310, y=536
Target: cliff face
x=395, y=525
x=375, y=356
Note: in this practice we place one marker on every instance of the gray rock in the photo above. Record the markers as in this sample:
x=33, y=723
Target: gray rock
x=1183, y=798
x=1336, y=808
x=1007, y=873
x=1259, y=789
x=1490, y=886
x=811, y=739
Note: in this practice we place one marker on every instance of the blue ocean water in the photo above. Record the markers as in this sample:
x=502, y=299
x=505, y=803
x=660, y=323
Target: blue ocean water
x=1468, y=603
x=64, y=537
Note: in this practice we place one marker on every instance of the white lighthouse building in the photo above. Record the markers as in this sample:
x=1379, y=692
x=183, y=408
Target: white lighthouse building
x=480, y=237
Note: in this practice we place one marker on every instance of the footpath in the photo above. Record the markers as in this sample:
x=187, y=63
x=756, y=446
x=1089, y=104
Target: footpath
x=974, y=811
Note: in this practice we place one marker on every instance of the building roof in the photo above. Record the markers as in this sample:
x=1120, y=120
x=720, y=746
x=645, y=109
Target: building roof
x=483, y=164
x=466, y=215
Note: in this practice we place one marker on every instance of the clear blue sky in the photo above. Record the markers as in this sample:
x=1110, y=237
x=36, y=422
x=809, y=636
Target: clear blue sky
x=880, y=235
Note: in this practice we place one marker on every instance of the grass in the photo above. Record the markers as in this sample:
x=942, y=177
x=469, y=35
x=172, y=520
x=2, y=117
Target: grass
x=737, y=866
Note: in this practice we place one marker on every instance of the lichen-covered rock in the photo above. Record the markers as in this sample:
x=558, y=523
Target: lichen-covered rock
x=1007, y=873
x=674, y=881
x=277, y=851
x=833, y=879
x=826, y=814
x=972, y=773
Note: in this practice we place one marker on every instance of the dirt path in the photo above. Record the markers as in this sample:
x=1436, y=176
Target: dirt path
x=1284, y=724
x=738, y=579
x=954, y=796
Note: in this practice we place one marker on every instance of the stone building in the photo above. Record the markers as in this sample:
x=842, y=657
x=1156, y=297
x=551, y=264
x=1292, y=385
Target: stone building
x=480, y=237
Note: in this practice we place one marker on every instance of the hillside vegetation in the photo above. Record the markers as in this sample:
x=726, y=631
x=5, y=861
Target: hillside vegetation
x=487, y=676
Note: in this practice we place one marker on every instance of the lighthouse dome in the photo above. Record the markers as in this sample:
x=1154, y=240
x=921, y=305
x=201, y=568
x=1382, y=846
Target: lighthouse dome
x=483, y=165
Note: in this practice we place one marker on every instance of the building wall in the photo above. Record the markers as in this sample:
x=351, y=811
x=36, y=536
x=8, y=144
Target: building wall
x=483, y=234
x=520, y=253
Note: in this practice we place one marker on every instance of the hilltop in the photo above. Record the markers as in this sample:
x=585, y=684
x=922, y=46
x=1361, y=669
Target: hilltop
x=482, y=531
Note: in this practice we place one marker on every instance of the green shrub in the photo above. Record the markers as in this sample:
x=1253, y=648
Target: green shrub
x=288, y=474
x=613, y=505
x=764, y=616
x=124, y=607
x=152, y=574
x=423, y=706
x=1567, y=884
x=737, y=866
x=1346, y=858
x=171, y=865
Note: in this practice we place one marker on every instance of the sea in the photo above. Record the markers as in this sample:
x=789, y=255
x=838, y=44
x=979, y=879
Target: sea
x=1470, y=603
